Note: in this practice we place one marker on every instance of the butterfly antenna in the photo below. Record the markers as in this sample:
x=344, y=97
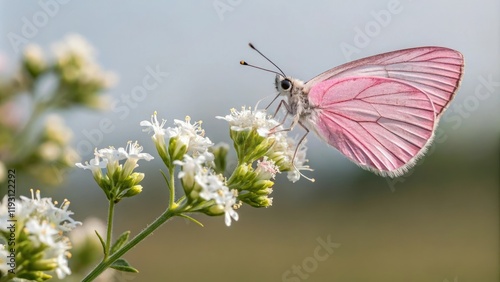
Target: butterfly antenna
x=243, y=63
x=253, y=47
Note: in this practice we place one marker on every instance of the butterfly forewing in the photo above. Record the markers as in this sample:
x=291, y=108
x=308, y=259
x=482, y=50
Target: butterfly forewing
x=379, y=123
x=436, y=71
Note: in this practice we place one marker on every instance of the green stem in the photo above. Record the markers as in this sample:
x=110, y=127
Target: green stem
x=172, y=210
x=111, y=211
x=171, y=171
x=141, y=236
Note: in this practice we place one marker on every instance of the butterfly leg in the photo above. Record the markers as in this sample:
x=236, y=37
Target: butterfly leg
x=287, y=107
x=272, y=101
x=301, y=139
x=302, y=166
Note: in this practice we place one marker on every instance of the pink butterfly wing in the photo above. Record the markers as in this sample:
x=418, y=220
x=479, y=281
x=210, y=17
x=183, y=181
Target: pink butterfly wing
x=436, y=71
x=379, y=123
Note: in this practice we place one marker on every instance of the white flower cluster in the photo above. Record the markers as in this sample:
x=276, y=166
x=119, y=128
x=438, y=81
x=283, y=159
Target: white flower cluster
x=192, y=136
x=45, y=226
x=110, y=158
x=34, y=55
x=285, y=151
x=246, y=119
x=120, y=181
x=188, y=148
x=184, y=138
x=213, y=187
x=75, y=49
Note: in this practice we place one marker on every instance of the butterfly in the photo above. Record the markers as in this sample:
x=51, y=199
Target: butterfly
x=381, y=112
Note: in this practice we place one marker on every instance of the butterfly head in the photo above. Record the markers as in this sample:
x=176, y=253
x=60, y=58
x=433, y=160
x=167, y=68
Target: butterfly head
x=288, y=86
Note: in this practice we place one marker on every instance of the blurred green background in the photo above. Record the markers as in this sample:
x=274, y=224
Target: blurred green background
x=439, y=223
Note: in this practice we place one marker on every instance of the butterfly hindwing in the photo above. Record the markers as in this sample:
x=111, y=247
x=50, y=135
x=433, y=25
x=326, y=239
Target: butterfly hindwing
x=379, y=123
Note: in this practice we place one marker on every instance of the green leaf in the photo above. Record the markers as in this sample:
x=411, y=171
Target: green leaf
x=102, y=242
x=192, y=219
x=120, y=242
x=166, y=179
x=122, y=265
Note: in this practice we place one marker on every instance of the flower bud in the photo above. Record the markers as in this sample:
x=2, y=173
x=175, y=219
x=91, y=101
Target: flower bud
x=35, y=276
x=257, y=199
x=44, y=265
x=214, y=210
x=220, y=154
x=134, y=190
x=177, y=148
x=33, y=60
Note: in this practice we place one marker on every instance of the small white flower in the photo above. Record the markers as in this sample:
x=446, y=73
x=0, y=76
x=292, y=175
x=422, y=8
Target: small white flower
x=190, y=135
x=211, y=185
x=156, y=127
x=213, y=188
x=133, y=151
x=112, y=156
x=59, y=253
x=33, y=54
x=246, y=119
x=229, y=205
x=266, y=169
x=133, y=154
x=61, y=217
x=95, y=165
x=62, y=267
x=190, y=165
x=34, y=206
x=50, y=151
x=73, y=45
x=93, y=72
x=56, y=130
x=41, y=233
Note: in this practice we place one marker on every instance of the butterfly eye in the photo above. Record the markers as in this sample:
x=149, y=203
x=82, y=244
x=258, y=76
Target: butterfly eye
x=286, y=84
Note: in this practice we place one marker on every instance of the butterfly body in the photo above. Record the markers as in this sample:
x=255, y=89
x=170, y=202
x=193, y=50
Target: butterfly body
x=380, y=111
x=298, y=101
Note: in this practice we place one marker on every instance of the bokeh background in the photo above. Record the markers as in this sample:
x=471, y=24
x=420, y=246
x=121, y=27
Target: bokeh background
x=438, y=223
